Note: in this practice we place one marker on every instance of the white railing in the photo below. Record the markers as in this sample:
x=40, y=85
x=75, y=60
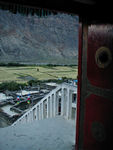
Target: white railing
x=57, y=102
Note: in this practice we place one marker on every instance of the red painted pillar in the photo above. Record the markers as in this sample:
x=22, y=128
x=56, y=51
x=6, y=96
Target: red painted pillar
x=82, y=73
x=94, y=130
x=79, y=86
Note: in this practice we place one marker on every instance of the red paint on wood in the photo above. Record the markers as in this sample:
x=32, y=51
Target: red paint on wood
x=99, y=36
x=98, y=112
x=79, y=85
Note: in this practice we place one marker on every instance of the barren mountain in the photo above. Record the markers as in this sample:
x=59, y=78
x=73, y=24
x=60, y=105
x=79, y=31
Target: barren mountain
x=32, y=39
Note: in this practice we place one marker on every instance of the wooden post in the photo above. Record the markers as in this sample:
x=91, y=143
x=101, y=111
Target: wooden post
x=82, y=84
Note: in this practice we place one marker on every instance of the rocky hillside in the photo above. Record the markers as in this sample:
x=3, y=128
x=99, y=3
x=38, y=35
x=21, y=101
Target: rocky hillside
x=31, y=39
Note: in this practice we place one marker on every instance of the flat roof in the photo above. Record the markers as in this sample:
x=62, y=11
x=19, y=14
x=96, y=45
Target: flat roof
x=3, y=97
x=24, y=92
x=7, y=110
x=48, y=134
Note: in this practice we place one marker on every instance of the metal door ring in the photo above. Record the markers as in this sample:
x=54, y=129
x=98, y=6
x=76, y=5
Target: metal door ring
x=103, y=57
x=98, y=131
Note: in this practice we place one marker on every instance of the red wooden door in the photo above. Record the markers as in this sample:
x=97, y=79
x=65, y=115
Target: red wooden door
x=94, y=129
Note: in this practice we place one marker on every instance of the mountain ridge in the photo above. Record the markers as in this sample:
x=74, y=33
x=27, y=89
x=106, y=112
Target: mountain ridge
x=31, y=39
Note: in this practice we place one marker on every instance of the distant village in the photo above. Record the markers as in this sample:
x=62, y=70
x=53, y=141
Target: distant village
x=13, y=104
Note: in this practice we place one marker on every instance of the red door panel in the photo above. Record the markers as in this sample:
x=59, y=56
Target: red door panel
x=98, y=123
x=100, y=37
x=94, y=128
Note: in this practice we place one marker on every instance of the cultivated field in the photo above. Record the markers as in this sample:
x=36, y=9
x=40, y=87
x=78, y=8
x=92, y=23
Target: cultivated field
x=26, y=73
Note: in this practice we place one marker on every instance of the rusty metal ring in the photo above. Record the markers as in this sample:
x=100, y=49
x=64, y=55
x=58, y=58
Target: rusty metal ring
x=103, y=57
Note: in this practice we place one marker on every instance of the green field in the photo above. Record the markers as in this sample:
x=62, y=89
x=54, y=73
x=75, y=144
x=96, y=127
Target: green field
x=26, y=73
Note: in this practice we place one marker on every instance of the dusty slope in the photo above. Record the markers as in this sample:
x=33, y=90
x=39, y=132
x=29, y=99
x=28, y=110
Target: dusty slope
x=52, y=39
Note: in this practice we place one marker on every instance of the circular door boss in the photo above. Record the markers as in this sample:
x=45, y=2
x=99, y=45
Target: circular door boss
x=103, y=57
x=98, y=131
